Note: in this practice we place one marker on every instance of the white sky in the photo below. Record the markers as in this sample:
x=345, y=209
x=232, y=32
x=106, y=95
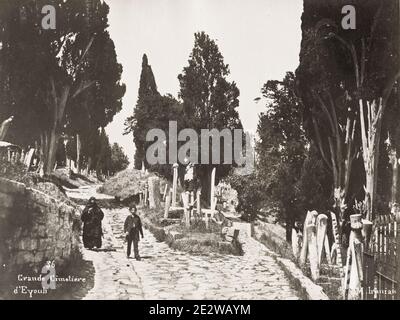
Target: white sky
x=259, y=39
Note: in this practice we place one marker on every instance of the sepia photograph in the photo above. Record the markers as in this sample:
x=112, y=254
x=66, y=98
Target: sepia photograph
x=217, y=152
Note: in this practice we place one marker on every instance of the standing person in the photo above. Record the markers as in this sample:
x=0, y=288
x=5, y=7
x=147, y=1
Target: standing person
x=132, y=228
x=92, y=216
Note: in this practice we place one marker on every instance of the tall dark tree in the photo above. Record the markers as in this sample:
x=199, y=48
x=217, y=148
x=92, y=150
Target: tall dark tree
x=104, y=161
x=282, y=146
x=152, y=111
x=210, y=101
x=358, y=66
x=138, y=124
x=119, y=160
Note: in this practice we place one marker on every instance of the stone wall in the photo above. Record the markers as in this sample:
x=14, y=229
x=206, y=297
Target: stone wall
x=34, y=228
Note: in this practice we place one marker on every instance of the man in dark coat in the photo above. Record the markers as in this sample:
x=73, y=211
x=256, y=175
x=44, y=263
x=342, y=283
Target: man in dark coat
x=132, y=229
x=92, y=230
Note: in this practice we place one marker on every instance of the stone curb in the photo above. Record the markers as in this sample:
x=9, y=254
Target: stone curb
x=302, y=283
x=306, y=286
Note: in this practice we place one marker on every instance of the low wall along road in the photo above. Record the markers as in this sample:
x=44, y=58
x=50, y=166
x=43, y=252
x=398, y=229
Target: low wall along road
x=34, y=228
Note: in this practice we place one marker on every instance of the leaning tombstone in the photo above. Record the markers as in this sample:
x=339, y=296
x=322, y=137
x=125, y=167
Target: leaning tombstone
x=28, y=158
x=322, y=221
x=313, y=252
x=165, y=191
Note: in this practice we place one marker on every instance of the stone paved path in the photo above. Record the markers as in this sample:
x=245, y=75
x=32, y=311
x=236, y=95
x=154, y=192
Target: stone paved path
x=164, y=273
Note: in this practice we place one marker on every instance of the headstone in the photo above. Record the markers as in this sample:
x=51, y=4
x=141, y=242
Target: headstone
x=198, y=203
x=304, y=247
x=22, y=158
x=165, y=191
x=327, y=251
x=347, y=271
x=337, y=241
x=146, y=195
x=356, y=273
x=185, y=200
x=367, y=231
x=352, y=284
x=212, y=195
x=167, y=204
x=295, y=243
x=356, y=252
x=314, y=216
x=174, y=184
x=154, y=192
x=322, y=221
x=313, y=252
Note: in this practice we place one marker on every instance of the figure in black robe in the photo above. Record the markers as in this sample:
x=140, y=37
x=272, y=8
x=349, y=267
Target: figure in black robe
x=92, y=230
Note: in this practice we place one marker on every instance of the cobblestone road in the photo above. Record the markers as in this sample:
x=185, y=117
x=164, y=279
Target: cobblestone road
x=164, y=273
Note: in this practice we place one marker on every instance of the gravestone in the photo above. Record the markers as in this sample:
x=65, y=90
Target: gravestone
x=313, y=252
x=167, y=204
x=304, y=247
x=322, y=221
x=295, y=243
x=154, y=192
x=212, y=196
x=174, y=184
x=198, y=203
x=337, y=241
x=185, y=200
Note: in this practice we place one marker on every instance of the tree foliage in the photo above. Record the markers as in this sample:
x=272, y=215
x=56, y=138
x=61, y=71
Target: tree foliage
x=46, y=72
x=119, y=160
x=353, y=73
x=152, y=111
x=210, y=101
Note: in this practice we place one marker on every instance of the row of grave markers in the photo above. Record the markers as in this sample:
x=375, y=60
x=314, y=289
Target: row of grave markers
x=312, y=246
x=191, y=200
x=22, y=157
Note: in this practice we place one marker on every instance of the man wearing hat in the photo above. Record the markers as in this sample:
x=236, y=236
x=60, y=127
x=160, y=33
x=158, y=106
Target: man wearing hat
x=132, y=229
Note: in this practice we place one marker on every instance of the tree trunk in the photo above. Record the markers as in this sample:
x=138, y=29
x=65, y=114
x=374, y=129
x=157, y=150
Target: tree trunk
x=289, y=224
x=78, y=153
x=48, y=150
x=395, y=173
x=370, y=135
